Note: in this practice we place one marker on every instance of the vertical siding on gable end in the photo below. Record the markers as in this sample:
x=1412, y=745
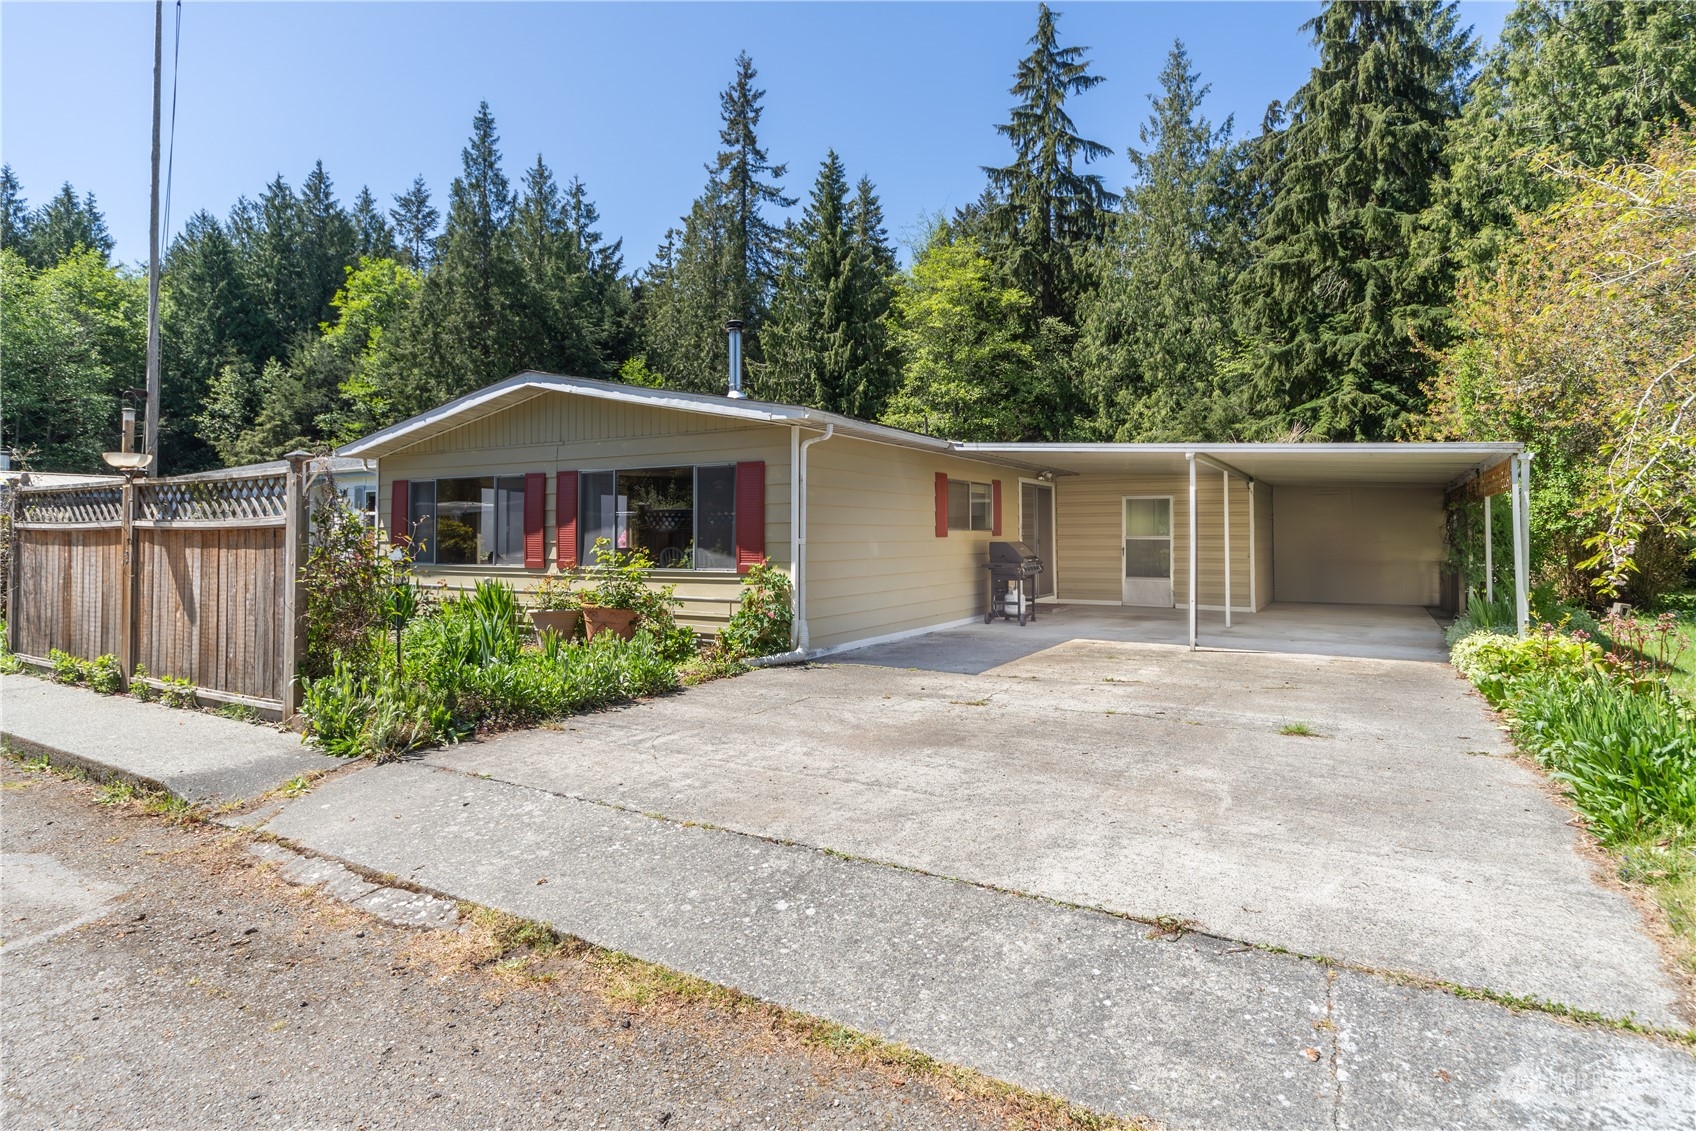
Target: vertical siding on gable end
x=875, y=565
x=1089, y=529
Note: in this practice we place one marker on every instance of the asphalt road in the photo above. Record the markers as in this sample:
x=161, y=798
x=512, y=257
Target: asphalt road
x=161, y=976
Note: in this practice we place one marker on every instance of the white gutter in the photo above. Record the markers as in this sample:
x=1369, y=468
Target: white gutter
x=797, y=546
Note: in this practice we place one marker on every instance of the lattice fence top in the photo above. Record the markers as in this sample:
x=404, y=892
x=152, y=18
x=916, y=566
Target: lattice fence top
x=212, y=500
x=103, y=503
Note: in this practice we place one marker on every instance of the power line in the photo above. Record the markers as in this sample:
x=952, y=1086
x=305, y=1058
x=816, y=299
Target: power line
x=171, y=149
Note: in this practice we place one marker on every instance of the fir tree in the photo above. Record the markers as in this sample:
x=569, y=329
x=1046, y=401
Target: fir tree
x=374, y=238
x=1158, y=318
x=467, y=329
x=724, y=262
x=14, y=211
x=62, y=226
x=415, y=223
x=1335, y=307
x=1045, y=208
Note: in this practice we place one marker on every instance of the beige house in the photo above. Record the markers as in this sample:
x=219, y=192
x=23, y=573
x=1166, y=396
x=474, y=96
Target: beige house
x=886, y=532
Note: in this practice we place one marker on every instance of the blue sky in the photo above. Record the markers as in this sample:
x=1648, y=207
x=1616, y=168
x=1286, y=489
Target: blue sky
x=623, y=95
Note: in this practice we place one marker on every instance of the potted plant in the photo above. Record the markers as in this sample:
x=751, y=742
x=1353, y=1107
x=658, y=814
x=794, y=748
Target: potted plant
x=556, y=607
x=617, y=592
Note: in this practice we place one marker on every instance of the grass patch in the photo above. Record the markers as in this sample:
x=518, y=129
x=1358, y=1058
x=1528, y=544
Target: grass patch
x=239, y=712
x=1299, y=730
x=115, y=792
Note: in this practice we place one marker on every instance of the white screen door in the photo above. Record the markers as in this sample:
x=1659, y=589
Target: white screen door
x=1148, y=552
x=1036, y=530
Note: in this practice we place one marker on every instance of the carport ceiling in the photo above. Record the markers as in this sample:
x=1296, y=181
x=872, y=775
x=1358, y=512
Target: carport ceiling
x=1292, y=465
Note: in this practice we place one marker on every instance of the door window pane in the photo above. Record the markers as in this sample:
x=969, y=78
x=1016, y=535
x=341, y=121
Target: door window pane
x=1148, y=518
x=421, y=523
x=715, y=517
x=1148, y=557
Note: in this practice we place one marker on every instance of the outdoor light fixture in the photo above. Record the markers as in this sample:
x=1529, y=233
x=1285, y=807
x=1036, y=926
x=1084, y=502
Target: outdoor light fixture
x=127, y=462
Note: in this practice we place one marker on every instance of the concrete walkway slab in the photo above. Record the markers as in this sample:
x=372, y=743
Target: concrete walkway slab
x=1193, y=1031
x=1149, y=780
x=196, y=756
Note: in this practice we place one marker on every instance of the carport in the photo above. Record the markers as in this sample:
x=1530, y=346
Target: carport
x=1235, y=527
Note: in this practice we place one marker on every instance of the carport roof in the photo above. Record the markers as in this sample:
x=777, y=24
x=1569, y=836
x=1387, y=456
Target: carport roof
x=1413, y=464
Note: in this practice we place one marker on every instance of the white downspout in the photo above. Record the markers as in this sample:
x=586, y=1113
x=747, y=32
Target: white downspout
x=1489, y=557
x=797, y=545
x=1253, y=572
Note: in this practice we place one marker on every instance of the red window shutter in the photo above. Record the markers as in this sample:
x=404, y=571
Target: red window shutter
x=942, y=504
x=535, y=540
x=995, y=507
x=750, y=514
x=565, y=518
x=400, y=511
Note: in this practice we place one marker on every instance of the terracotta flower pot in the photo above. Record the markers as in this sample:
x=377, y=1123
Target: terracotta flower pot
x=566, y=623
x=621, y=622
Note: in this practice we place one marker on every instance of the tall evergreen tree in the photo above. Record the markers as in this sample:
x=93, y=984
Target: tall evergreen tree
x=1158, y=319
x=373, y=236
x=214, y=335
x=329, y=245
x=1335, y=305
x=724, y=261
x=1590, y=82
x=468, y=320
x=826, y=346
x=14, y=211
x=415, y=221
x=63, y=225
x=1046, y=208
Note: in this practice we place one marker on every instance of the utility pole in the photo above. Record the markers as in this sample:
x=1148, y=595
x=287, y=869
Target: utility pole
x=150, y=435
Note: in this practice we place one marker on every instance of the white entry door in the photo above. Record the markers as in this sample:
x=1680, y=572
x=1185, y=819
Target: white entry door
x=1148, y=551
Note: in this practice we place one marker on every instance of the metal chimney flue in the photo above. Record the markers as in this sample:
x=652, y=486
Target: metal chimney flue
x=734, y=327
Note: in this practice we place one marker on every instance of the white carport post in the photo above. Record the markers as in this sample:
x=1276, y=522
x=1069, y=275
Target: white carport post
x=1190, y=456
x=1225, y=493
x=1520, y=483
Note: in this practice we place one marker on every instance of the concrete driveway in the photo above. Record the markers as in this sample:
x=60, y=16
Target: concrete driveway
x=1149, y=780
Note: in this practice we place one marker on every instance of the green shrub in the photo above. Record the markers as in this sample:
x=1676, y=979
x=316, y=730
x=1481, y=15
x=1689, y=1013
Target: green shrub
x=1628, y=755
x=358, y=716
x=9, y=664
x=761, y=624
x=178, y=693
x=102, y=673
x=1495, y=663
x=618, y=579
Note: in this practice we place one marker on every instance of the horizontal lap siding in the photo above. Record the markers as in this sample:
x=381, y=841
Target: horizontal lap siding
x=875, y=566
x=1089, y=535
x=563, y=432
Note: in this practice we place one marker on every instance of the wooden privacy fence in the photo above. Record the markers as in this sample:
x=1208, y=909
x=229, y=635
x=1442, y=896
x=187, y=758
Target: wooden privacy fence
x=195, y=578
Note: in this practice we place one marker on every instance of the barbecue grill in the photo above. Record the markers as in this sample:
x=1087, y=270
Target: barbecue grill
x=1012, y=567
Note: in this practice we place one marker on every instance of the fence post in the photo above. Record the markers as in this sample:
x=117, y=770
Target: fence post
x=127, y=602
x=294, y=594
x=14, y=515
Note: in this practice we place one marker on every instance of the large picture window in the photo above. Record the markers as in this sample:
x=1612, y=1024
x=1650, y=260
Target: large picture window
x=473, y=521
x=684, y=517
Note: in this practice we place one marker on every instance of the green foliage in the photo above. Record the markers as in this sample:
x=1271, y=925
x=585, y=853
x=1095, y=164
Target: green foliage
x=102, y=674
x=467, y=665
x=178, y=693
x=827, y=345
x=349, y=582
x=1335, y=302
x=60, y=229
x=979, y=364
x=724, y=261
x=72, y=336
x=9, y=664
x=762, y=622
x=1607, y=727
x=1481, y=615
x=1157, y=319
x=1045, y=210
